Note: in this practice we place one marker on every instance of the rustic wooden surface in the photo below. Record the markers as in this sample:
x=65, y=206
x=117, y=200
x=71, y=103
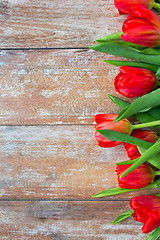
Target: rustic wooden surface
x=51, y=87
x=54, y=86
x=66, y=220
x=56, y=23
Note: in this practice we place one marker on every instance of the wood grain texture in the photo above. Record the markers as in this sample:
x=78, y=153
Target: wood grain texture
x=71, y=23
x=55, y=87
x=56, y=162
x=71, y=220
x=64, y=88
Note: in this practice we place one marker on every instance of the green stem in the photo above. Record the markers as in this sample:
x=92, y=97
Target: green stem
x=114, y=36
x=143, y=125
x=157, y=173
x=156, y=6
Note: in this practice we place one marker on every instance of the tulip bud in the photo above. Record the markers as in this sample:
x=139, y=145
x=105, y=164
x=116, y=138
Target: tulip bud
x=141, y=177
x=145, y=135
x=124, y=6
x=134, y=82
x=142, y=27
x=147, y=211
x=105, y=121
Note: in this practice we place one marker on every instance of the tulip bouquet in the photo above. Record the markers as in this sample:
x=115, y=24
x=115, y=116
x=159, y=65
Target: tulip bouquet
x=138, y=41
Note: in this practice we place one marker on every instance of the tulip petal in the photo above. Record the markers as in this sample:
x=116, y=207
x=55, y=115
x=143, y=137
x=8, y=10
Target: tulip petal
x=139, y=178
x=124, y=6
x=134, y=82
x=133, y=22
x=105, y=117
x=143, y=12
x=149, y=35
x=106, y=121
x=147, y=211
x=150, y=224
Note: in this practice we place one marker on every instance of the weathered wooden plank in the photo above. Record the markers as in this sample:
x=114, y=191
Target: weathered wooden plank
x=67, y=221
x=38, y=23
x=47, y=87
x=56, y=162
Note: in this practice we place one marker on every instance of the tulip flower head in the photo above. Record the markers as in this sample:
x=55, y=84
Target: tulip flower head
x=135, y=82
x=145, y=135
x=147, y=211
x=105, y=121
x=142, y=27
x=124, y=6
x=141, y=177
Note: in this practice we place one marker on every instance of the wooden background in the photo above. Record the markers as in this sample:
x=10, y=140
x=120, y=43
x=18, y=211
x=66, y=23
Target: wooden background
x=51, y=86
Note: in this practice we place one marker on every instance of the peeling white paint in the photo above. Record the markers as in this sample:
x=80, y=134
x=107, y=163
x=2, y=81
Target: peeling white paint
x=15, y=2
x=5, y=218
x=2, y=192
x=30, y=175
x=44, y=112
x=49, y=93
x=91, y=94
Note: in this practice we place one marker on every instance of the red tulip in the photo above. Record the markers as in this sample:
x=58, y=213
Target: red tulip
x=141, y=177
x=124, y=6
x=147, y=211
x=142, y=27
x=134, y=82
x=105, y=121
x=148, y=136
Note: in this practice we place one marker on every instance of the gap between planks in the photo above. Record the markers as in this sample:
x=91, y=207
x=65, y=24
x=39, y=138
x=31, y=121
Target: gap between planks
x=61, y=200
x=32, y=49
x=47, y=125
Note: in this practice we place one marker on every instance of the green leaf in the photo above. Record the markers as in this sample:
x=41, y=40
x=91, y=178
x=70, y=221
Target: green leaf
x=151, y=51
x=158, y=74
x=155, y=112
x=155, y=234
x=142, y=117
x=152, y=156
x=122, y=137
x=135, y=47
x=110, y=37
x=127, y=162
x=148, y=66
x=117, y=49
x=119, y=102
x=118, y=190
x=145, y=117
x=156, y=6
x=123, y=216
x=154, y=160
x=142, y=103
x=141, y=150
x=148, y=154
x=113, y=191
